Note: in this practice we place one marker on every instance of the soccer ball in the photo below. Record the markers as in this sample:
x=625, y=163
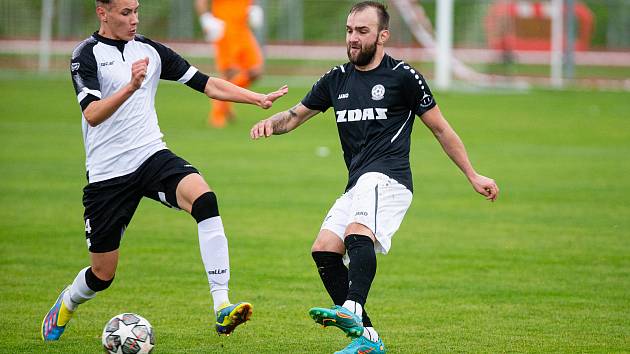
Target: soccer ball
x=128, y=333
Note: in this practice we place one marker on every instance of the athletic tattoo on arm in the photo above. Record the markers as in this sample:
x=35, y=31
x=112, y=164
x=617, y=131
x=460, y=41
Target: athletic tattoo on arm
x=281, y=121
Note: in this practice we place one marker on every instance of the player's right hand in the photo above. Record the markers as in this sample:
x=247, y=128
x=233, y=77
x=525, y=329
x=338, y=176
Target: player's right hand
x=264, y=128
x=138, y=72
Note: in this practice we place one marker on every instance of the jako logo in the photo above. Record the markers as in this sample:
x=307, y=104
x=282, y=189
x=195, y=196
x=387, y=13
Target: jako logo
x=362, y=213
x=217, y=271
x=355, y=115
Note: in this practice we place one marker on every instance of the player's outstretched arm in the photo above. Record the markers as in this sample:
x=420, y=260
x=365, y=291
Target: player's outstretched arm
x=282, y=122
x=98, y=111
x=226, y=91
x=454, y=148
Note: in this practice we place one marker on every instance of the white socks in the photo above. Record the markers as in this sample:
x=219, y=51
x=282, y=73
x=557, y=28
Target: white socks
x=79, y=292
x=368, y=332
x=355, y=307
x=214, y=253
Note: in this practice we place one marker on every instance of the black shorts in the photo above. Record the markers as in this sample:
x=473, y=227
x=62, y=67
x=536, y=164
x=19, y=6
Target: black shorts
x=110, y=204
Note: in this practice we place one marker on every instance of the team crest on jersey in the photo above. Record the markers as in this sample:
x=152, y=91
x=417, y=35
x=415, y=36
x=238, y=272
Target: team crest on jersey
x=378, y=92
x=75, y=66
x=426, y=101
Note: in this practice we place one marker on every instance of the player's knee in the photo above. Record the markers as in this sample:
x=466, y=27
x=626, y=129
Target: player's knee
x=328, y=245
x=95, y=283
x=356, y=228
x=205, y=207
x=318, y=246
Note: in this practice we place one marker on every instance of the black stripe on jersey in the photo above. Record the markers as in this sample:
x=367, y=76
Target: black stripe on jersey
x=198, y=81
x=173, y=65
x=84, y=70
x=87, y=100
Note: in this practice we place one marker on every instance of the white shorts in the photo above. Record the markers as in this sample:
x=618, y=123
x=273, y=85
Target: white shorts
x=376, y=201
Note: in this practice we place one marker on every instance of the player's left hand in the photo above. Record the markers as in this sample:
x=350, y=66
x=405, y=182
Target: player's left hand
x=267, y=100
x=485, y=186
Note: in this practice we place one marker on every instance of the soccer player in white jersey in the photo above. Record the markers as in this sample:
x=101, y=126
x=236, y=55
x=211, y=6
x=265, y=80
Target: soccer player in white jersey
x=115, y=73
x=375, y=99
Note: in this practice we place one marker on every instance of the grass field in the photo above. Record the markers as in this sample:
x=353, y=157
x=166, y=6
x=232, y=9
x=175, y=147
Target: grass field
x=544, y=269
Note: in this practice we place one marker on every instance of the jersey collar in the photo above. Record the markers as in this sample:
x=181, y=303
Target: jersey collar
x=118, y=43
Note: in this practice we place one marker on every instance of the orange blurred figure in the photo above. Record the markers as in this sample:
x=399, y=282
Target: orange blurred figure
x=238, y=57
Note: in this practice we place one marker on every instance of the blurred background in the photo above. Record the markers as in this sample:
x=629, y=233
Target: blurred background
x=538, y=93
x=493, y=41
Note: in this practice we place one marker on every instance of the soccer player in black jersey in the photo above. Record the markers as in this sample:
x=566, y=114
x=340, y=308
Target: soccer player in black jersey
x=375, y=99
x=115, y=73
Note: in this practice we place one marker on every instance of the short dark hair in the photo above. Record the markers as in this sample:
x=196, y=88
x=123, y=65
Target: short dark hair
x=103, y=2
x=381, y=10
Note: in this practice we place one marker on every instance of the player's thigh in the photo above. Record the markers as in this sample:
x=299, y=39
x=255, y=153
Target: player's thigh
x=379, y=203
x=162, y=181
x=328, y=241
x=330, y=237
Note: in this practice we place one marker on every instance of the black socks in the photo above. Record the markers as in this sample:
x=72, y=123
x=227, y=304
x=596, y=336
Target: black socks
x=362, y=266
x=95, y=283
x=334, y=275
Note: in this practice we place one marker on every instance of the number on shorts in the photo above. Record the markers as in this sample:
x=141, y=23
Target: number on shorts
x=88, y=228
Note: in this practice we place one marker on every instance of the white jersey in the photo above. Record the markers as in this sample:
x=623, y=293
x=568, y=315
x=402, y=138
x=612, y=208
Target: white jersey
x=100, y=67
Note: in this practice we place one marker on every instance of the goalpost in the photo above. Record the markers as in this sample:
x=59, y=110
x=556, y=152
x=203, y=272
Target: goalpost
x=560, y=51
x=557, y=29
x=45, y=35
x=444, y=44
x=447, y=65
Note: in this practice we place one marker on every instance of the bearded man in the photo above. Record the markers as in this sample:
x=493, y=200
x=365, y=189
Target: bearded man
x=375, y=98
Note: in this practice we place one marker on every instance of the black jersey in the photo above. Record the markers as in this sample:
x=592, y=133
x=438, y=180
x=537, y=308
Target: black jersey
x=374, y=111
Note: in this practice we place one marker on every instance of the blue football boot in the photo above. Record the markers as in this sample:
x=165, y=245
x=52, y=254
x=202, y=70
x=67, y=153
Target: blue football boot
x=340, y=317
x=363, y=345
x=56, y=319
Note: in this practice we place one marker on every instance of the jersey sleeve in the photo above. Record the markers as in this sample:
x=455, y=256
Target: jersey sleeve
x=176, y=68
x=418, y=93
x=319, y=98
x=84, y=74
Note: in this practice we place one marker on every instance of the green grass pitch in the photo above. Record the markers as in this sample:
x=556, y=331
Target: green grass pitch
x=544, y=269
